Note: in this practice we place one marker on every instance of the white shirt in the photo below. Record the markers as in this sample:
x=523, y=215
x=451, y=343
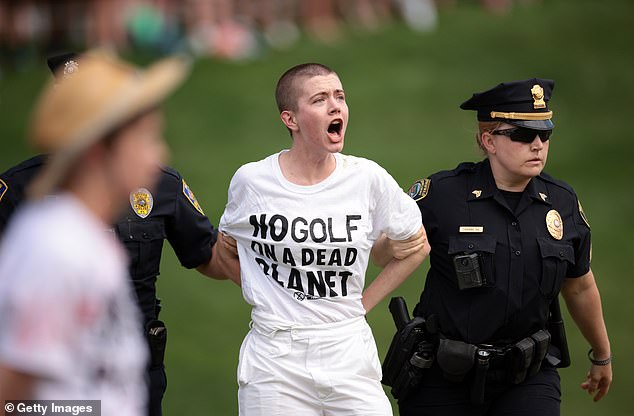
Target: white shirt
x=67, y=315
x=304, y=250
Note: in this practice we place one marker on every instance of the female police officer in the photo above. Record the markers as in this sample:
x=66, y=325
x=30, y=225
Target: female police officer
x=506, y=238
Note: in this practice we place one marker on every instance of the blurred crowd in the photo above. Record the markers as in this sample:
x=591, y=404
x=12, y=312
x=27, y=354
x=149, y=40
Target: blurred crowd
x=224, y=29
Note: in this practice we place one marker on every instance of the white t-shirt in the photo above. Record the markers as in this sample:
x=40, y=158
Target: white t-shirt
x=67, y=314
x=304, y=250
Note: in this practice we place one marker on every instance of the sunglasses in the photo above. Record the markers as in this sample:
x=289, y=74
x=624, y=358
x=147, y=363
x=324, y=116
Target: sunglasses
x=524, y=135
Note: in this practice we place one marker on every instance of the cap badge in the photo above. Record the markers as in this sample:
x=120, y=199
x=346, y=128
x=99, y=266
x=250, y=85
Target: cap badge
x=477, y=192
x=70, y=68
x=538, y=96
x=142, y=202
x=554, y=224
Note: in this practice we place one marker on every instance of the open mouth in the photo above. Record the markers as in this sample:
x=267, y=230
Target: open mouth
x=335, y=127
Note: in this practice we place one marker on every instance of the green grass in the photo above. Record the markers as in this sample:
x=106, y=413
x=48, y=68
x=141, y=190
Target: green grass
x=403, y=90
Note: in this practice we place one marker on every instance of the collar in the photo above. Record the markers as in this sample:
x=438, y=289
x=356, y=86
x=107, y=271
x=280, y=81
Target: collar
x=483, y=186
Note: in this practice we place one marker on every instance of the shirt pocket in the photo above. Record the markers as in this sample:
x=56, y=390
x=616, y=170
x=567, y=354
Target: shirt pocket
x=482, y=244
x=556, y=256
x=143, y=241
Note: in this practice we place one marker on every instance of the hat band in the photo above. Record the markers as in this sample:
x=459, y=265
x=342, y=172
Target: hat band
x=522, y=116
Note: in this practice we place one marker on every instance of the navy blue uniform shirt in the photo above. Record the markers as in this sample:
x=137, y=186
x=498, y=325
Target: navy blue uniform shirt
x=175, y=215
x=525, y=263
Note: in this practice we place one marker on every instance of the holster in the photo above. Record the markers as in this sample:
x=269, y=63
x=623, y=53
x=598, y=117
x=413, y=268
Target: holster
x=404, y=345
x=408, y=354
x=156, y=334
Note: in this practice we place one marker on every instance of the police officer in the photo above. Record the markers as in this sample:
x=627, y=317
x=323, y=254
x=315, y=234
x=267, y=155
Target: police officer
x=167, y=211
x=506, y=239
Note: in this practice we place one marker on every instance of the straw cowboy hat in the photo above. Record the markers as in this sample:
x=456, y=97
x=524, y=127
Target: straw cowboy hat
x=80, y=110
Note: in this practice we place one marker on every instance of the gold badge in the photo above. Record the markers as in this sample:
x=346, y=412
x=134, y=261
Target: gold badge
x=477, y=192
x=538, y=96
x=554, y=224
x=543, y=196
x=420, y=189
x=583, y=214
x=70, y=68
x=142, y=202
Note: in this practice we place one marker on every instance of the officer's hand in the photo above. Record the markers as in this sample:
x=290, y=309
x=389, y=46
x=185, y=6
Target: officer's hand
x=598, y=380
x=230, y=244
x=403, y=249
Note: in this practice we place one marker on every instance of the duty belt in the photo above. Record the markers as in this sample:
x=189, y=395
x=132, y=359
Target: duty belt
x=509, y=364
x=417, y=345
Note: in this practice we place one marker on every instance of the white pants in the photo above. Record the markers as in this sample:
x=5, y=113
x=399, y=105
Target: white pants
x=322, y=370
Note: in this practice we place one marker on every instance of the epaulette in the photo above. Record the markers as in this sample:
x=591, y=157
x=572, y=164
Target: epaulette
x=32, y=163
x=420, y=188
x=557, y=182
x=465, y=167
x=171, y=172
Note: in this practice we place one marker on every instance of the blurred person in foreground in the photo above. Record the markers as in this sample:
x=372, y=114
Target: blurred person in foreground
x=70, y=328
x=506, y=239
x=166, y=211
x=305, y=220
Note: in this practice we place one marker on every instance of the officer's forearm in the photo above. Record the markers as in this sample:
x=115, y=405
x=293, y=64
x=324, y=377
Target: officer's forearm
x=222, y=265
x=584, y=304
x=381, y=254
x=15, y=385
x=390, y=278
x=385, y=249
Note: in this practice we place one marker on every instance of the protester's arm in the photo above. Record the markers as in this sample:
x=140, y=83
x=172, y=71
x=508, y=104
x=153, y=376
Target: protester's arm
x=15, y=385
x=391, y=277
x=584, y=304
x=224, y=263
x=385, y=249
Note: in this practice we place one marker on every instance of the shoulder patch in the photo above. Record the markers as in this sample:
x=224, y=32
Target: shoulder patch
x=420, y=189
x=583, y=214
x=191, y=198
x=3, y=188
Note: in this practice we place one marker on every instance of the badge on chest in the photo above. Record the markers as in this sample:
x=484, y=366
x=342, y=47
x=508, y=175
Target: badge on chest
x=554, y=224
x=142, y=202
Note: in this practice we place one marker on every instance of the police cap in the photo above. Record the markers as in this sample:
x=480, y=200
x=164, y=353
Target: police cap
x=520, y=103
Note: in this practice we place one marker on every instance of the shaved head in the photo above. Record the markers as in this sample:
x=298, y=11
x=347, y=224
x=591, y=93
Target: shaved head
x=288, y=87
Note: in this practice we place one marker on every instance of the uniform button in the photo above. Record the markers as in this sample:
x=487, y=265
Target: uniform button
x=561, y=254
x=514, y=224
x=146, y=236
x=517, y=252
x=470, y=246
